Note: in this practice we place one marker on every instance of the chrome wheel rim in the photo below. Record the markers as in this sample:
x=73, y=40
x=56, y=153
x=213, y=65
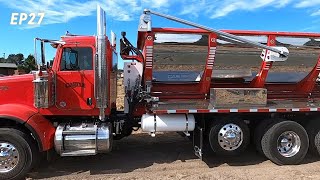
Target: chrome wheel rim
x=9, y=157
x=230, y=137
x=288, y=144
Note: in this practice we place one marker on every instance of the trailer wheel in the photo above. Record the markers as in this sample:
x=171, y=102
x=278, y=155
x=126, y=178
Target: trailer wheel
x=229, y=137
x=313, y=130
x=285, y=143
x=17, y=154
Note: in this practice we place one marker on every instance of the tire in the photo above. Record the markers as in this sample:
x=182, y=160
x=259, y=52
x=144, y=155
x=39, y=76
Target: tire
x=23, y=148
x=313, y=130
x=290, y=134
x=217, y=142
x=259, y=131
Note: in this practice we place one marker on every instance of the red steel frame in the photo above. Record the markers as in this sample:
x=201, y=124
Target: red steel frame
x=200, y=90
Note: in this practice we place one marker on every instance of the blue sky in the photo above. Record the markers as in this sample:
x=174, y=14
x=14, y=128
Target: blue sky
x=79, y=17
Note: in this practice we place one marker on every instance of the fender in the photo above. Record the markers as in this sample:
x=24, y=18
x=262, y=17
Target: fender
x=41, y=128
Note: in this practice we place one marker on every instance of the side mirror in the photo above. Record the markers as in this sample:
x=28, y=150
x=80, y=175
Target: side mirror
x=124, y=47
x=50, y=64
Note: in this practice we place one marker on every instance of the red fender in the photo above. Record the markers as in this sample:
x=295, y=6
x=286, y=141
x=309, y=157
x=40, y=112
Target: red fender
x=41, y=128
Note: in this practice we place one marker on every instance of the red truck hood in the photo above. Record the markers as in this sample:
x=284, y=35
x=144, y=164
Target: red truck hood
x=16, y=77
x=16, y=89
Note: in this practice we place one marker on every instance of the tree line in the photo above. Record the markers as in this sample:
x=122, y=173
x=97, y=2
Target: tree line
x=26, y=64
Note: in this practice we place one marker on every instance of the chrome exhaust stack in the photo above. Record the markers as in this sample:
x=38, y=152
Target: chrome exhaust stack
x=100, y=64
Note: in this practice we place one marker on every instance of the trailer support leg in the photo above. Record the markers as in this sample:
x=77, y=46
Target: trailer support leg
x=198, y=141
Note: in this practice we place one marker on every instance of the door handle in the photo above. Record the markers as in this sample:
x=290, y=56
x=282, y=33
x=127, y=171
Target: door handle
x=89, y=101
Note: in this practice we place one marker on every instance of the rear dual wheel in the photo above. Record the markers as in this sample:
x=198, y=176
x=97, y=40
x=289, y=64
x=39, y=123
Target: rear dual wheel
x=313, y=129
x=260, y=130
x=229, y=137
x=285, y=143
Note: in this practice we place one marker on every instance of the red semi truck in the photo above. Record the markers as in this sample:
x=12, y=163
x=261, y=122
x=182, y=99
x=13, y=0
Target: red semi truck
x=70, y=105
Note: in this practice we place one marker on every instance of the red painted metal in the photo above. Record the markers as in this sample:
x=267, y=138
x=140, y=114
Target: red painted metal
x=308, y=83
x=68, y=98
x=235, y=32
x=206, y=77
x=17, y=111
x=260, y=79
x=128, y=57
x=17, y=90
x=34, y=121
x=148, y=55
x=44, y=129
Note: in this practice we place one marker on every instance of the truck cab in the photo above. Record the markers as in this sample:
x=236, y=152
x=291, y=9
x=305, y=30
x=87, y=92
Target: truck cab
x=72, y=77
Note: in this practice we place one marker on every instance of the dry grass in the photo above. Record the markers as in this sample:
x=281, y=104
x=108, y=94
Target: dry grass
x=120, y=94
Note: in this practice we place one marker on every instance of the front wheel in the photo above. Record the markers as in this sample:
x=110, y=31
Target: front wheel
x=16, y=154
x=285, y=143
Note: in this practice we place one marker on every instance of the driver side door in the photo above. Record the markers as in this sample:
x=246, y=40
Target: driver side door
x=75, y=79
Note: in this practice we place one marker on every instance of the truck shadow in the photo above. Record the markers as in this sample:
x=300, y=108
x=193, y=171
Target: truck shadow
x=140, y=151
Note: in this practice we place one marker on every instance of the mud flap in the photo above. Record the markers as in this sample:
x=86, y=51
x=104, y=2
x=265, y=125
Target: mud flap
x=198, y=141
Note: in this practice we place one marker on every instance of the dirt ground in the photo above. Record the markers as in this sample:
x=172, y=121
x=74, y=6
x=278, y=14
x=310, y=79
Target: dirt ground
x=170, y=156
x=120, y=94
